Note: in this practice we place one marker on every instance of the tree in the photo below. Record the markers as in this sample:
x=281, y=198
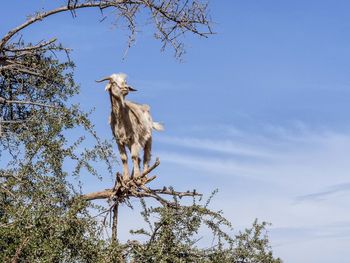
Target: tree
x=43, y=217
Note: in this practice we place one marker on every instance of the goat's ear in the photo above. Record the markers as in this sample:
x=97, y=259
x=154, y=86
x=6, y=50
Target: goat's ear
x=108, y=87
x=131, y=88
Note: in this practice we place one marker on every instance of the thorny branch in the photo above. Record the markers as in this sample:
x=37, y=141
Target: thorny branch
x=131, y=187
x=124, y=189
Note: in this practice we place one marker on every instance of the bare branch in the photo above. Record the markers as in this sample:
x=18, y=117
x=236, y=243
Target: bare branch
x=115, y=222
x=105, y=194
x=132, y=187
x=150, y=169
x=41, y=16
x=38, y=46
x=4, y=101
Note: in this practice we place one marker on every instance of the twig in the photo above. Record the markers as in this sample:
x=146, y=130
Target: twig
x=4, y=101
x=38, y=46
x=19, y=250
x=150, y=169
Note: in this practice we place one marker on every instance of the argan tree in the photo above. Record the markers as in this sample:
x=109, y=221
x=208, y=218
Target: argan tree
x=44, y=217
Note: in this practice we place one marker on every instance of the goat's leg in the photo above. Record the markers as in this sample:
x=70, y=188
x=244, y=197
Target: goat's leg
x=132, y=171
x=135, y=160
x=147, y=154
x=124, y=158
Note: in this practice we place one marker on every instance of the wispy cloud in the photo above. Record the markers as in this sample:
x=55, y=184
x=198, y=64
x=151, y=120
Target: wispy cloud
x=321, y=195
x=302, y=235
x=222, y=146
x=211, y=165
x=272, y=177
x=297, y=160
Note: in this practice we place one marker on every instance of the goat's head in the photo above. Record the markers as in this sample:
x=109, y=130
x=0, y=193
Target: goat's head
x=117, y=85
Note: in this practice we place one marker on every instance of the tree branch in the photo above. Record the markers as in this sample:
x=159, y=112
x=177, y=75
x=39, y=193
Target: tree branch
x=19, y=250
x=41, y=16
x=105, y=194
x=4, y=101
x=172, y=19
x=38, y=46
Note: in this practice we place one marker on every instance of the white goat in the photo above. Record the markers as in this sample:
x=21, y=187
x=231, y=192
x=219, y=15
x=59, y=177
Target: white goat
x=131, y=124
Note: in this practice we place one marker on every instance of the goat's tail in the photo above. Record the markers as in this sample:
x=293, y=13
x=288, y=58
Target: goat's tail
x=158, y=126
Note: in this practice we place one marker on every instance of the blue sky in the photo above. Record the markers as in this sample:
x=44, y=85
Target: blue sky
x=260, y=110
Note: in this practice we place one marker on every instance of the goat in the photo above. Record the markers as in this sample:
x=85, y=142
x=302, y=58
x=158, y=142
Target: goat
x=131, y=124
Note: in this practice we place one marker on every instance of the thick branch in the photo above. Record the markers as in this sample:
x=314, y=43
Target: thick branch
x=115, y=223
x=98, y=195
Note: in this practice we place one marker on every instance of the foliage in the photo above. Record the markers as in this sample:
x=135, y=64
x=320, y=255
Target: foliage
x=39, y=218
x=174, y=237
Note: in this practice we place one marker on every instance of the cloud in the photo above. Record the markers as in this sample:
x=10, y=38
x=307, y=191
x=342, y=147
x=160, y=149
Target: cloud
x=321, y=195
x=272, y=177
x=309, y=161
x=326, y=231
x=222, y=146
x=211, y=165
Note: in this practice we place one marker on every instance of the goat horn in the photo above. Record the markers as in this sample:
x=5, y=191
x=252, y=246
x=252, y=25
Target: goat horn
x=131, y=88
x=106, y=78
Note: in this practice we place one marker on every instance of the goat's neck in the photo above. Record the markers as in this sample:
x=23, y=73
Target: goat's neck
x=117, y=108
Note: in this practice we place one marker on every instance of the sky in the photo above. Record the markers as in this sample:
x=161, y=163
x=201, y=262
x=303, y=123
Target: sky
x=260, y=110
